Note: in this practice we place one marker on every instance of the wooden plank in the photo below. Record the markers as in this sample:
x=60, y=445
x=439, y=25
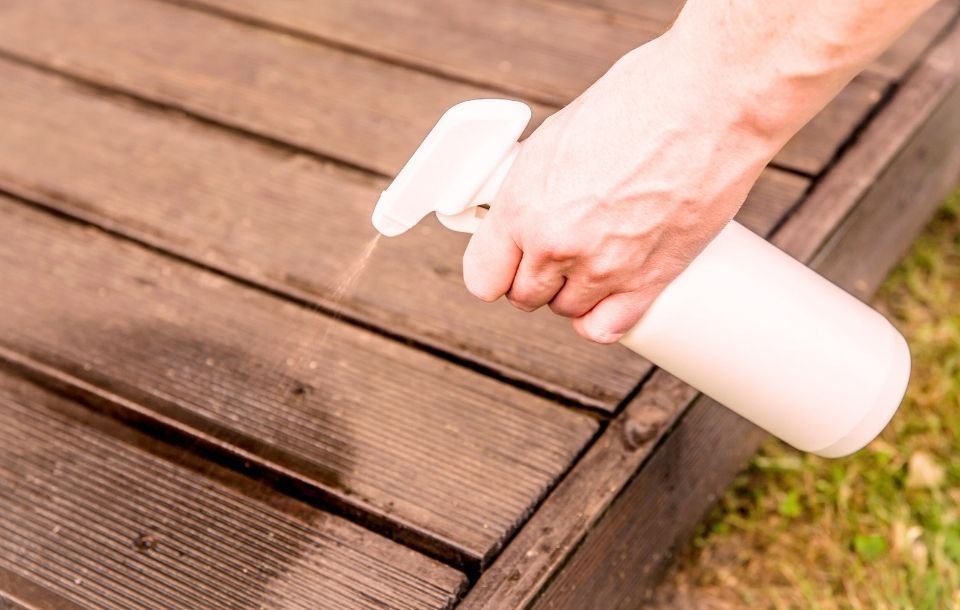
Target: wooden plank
x=355, y=109
x=661, y=11
x=293, y=224
x=606, y=531
x=341, y=105
x=624, y=554
x=439, y=456
x=896, y=61
x=185, y=533
x=813, y=148
x=840, y=191
x=923, y=174
x=546, y=51
x=553, y=535
x=892, y=65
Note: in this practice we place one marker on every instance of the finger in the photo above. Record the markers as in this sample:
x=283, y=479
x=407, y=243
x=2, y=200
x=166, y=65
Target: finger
x=612, y=317
x=536, y=283
x=490, y=260
x=577, y=297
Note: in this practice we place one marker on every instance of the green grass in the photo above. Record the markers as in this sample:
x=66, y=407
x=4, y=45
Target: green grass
x=880, y=529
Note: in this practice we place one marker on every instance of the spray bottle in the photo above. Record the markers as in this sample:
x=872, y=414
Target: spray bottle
x=744, y=323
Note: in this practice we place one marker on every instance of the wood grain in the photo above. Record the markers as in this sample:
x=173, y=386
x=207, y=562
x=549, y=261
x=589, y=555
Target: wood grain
x=547, y=51
x=606, y=532
x=896, y=62
x=623, y=556
x=294, y=224
x=441, y=457
x=180, y=533
x=332, y=102
x=927, y=172
x=892, y=65
x=552, y=52
x=337, y=104
x=554, y=534
x=840, y=191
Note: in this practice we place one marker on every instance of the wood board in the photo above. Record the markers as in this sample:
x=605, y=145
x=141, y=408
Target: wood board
x=93, y=514
x=438, y=456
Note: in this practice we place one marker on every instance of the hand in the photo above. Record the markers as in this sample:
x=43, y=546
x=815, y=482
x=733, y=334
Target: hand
x=614, y=195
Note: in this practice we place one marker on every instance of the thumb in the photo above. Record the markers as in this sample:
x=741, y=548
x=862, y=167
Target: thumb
x=491, y=259
x=612, y=317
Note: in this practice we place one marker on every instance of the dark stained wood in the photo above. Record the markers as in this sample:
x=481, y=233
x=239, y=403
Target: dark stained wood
x=441, y=457
x=293, y=224
x=624, y=554
x=604, y=534
x=365, y=112
x=404, y=443
x=93, y=515
x=532, y=560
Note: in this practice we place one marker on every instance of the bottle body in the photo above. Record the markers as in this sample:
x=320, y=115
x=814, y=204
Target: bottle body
x=759, y=332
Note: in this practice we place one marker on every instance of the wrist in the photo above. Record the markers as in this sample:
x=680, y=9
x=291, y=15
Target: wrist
x=766, y=84
x=695, y=95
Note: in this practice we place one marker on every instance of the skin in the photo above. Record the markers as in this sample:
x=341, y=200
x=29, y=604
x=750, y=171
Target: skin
x=613, y=196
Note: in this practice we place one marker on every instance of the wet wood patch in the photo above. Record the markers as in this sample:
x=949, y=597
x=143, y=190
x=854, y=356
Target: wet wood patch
x=94, y=515
x=446, y=458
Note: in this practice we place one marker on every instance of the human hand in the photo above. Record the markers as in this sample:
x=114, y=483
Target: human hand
x=614, y=195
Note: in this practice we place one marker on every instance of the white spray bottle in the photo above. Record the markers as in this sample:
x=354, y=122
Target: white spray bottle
x=744, y=323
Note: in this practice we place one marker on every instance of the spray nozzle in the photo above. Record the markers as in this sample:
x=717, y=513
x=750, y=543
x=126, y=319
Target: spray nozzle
x=461, y=164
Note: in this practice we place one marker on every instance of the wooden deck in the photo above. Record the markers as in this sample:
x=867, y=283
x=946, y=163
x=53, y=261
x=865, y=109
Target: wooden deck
x=195, y=414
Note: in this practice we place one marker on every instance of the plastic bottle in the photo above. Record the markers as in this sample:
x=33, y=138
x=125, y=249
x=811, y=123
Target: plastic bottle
x=744, y=323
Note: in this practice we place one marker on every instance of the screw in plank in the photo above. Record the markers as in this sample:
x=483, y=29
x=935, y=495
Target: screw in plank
x=636, y=433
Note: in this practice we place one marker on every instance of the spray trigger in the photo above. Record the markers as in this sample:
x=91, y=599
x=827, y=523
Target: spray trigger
x=461, y=163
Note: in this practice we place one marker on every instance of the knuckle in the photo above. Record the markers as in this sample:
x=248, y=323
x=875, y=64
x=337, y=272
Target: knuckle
x=602, y=269
x=553, y=246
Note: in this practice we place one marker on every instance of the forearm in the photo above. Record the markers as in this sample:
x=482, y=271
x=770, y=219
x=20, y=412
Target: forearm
x=774, y=65
x=613, y=196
